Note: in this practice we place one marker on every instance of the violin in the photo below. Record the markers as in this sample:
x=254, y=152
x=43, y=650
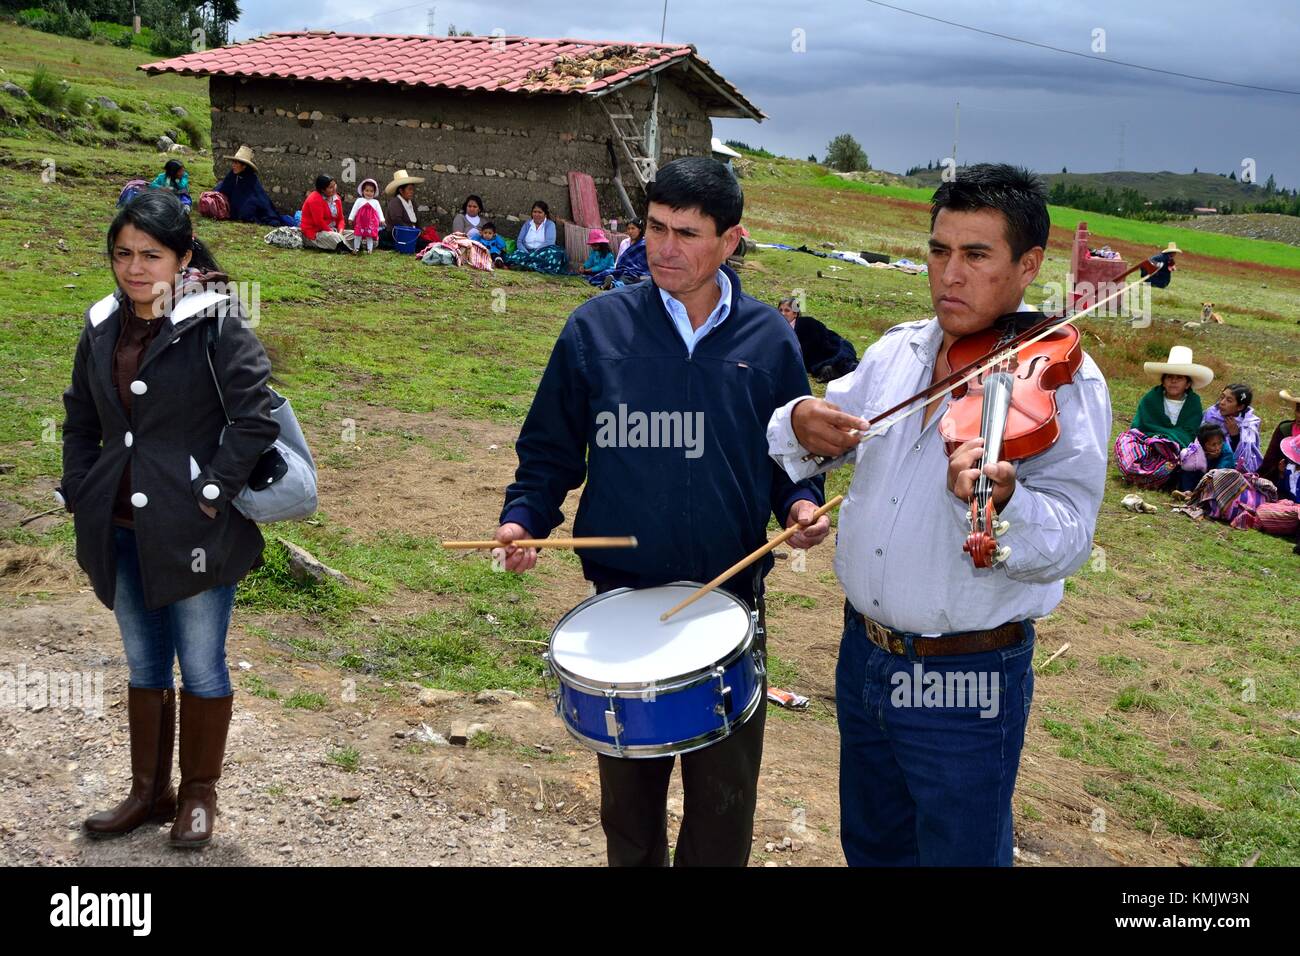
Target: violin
x=1003, y=386
x=1011, y=404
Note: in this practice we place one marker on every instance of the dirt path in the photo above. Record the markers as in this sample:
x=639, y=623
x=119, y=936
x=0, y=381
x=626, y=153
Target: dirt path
x=530, y=797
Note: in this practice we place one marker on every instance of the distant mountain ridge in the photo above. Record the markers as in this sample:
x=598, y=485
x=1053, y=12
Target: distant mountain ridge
x=1205, y=189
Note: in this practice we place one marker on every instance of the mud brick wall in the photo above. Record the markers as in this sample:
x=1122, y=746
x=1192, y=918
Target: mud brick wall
x=509, y=148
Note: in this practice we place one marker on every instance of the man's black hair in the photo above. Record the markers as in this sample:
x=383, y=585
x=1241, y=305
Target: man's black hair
x=699, y=182
x=1011, y=190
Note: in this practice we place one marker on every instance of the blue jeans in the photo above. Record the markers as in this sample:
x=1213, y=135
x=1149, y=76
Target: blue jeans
x=926, y=772
x=193, y=630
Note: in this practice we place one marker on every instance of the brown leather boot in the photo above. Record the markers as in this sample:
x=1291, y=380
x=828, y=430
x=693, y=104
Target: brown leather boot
x=204, y=721
x=151, y=716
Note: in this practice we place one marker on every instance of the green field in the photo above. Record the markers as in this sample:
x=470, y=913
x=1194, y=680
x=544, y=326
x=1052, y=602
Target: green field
x=1159, y=725
x=1193, y=241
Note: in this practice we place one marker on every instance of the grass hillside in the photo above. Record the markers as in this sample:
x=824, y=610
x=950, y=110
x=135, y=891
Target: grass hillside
x=93, y=70
x=1176, y=711
x=795, y=172
x=1267, y=226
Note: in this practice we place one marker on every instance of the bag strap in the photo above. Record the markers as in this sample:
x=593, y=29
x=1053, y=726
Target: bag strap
x=214, y=331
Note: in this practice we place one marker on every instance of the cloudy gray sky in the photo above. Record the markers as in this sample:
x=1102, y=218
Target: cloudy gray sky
x=892, y=79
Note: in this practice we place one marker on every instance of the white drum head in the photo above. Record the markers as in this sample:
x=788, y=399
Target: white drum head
x=619, y=639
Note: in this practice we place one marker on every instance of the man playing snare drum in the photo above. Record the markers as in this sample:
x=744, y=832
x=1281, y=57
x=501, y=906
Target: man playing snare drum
x=659, y=394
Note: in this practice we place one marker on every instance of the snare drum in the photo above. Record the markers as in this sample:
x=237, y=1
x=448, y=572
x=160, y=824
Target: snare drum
x=631, y=685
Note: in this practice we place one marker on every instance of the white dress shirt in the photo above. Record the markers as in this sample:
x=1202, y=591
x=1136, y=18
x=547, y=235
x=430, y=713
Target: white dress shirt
x=683, y=321
x=898, y=553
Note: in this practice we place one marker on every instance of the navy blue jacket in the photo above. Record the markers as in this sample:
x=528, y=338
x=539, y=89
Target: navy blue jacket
x=694, y=510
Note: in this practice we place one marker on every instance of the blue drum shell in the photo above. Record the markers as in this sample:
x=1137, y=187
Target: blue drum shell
x=659, y=723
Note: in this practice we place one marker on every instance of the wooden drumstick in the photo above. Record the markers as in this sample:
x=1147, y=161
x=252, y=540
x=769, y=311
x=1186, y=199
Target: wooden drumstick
x=629, y=542
x=745, y=562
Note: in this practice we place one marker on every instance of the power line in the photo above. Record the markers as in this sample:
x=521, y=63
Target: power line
x=381, y=13
x=1086, y=56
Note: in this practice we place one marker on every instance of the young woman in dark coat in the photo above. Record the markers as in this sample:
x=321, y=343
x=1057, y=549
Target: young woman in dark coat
x=150, y=480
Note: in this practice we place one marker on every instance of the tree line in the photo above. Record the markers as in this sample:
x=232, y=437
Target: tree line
x=171, y=22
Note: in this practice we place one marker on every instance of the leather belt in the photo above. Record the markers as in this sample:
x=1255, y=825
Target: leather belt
x=965, y=642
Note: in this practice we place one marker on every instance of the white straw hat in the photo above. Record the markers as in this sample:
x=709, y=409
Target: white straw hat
x=401, y=178
x=1180, y=363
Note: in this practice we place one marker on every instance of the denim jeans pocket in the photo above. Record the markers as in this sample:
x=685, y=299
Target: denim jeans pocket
x=1020, y=657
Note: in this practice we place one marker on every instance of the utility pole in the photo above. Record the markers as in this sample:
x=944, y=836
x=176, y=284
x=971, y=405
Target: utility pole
x=956, y=130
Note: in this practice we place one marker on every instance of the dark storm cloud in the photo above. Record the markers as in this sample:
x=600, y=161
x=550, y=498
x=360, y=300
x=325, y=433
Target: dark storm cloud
x=893, y=79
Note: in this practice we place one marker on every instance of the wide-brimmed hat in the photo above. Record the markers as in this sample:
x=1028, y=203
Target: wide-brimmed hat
x=243, y=155
x=595, y=236
x=1287, y=396
x=1180, y=363
x=1291, y=448
x=1172, y=247
x=361, y=187
x=401, y=178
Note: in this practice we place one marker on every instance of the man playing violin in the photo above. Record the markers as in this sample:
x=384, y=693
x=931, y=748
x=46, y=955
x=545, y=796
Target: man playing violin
x=934, y=678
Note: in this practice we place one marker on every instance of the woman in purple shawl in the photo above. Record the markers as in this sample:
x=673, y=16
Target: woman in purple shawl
x=1238, y=420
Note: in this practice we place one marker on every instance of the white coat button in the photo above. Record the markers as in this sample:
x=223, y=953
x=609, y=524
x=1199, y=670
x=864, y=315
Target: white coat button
x=211, y=491
x=138, y=387
x=129, y=439
x=139, y=499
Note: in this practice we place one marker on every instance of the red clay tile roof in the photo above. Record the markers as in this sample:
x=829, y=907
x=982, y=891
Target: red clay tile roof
x=489, y=63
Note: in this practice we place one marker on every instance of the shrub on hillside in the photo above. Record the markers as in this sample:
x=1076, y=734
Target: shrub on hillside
x=75, y=102
x=193, y=134
x=170, y=38
x=46, y=88
x=57, y=18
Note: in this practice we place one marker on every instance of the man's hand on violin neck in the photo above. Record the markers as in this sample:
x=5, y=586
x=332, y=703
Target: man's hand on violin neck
x=823, y=429
x=963, y=471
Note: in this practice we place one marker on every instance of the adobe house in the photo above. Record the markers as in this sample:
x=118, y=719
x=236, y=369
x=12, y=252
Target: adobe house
x=505, y=117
